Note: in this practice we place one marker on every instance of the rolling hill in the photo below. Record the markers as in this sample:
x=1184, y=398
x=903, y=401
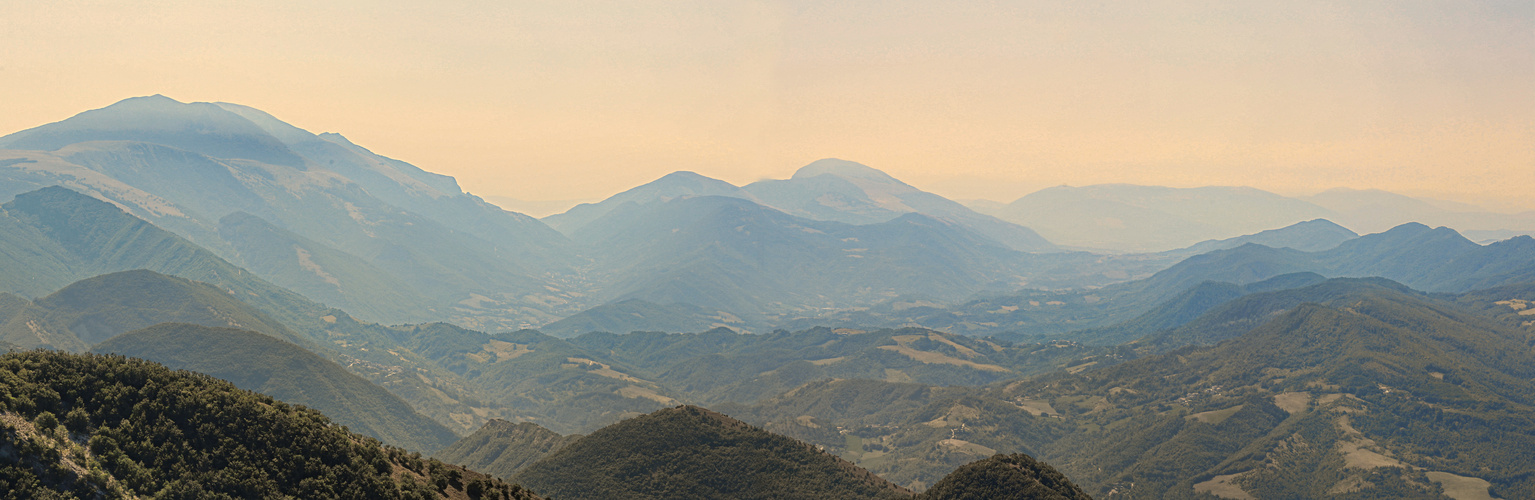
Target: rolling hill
x=1356, y=387
x=1005, y=477
x=97, y=309
x=1376, y=390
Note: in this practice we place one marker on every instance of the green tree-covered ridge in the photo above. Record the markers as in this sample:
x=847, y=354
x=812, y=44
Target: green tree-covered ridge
x=92, y=426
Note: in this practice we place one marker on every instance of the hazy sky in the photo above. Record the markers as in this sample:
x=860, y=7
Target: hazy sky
x=553, y=100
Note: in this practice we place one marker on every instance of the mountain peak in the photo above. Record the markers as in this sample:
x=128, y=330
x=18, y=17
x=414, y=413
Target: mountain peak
x=842, y=168
x=199, y=127
x=691, y=178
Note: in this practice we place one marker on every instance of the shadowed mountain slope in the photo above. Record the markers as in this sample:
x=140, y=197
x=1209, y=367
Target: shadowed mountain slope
x=270, y=366
x=503, y=448
x=97, y=309
x=186, y=166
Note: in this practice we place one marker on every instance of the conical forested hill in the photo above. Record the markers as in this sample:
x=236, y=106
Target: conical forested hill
x=100, y=426
x=1005, y=477
x=689, y=452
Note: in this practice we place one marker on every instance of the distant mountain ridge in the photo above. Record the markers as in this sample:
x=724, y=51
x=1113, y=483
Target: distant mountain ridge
x=825, y=190
x=1134, y=218
x=1431, y=259
x=738, y=256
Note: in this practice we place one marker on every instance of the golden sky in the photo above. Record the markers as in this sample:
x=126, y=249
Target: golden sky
x=559, y=100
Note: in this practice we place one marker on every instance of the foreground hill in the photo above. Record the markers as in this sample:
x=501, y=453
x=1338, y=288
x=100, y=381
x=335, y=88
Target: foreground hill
x=93, y=426
x=270, y=366
x=1005, y=477
x=690, y=452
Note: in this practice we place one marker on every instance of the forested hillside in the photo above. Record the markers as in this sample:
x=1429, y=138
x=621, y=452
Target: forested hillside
x=93, y=426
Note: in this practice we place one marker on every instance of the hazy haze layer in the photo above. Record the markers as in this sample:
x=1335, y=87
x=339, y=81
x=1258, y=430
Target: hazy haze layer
x=561, y=101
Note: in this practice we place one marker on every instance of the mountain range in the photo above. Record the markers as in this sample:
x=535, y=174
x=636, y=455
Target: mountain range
x=1431, y=259
x=389, y=242
x=839, y=333
x=207, y=171
x=1132, y=218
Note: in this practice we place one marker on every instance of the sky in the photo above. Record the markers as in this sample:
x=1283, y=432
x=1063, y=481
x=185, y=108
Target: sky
x=575, y=100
